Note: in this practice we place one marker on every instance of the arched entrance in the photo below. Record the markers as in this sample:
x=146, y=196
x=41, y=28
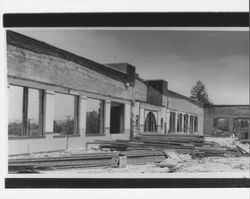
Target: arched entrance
x=150, y=123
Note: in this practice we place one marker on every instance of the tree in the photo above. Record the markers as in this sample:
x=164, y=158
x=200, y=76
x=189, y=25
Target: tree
x=199, y=92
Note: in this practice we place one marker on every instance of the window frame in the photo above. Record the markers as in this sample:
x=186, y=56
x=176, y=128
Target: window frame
x=101, y=127
x=25, y=105
x=179, y=123
x=76, y=114
x=172, y=121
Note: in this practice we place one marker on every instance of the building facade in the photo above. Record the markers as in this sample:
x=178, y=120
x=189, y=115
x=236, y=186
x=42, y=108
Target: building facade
x=58, y=100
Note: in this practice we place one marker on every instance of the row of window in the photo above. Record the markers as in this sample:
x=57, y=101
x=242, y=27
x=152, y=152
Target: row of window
x=26, y=114
x=190, y=123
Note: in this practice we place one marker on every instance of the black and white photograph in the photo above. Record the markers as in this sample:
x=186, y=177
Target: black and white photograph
x=160, y=101
x=126, y=100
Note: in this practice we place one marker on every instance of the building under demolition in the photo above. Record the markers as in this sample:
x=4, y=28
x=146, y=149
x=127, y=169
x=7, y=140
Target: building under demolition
x=58, y=100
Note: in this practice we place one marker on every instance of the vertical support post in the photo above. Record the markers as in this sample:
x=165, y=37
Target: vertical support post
x=82, y=115
x=127, y=115
x=168, y=121
x=49, y=111
x=107, y=117
x=142, y=119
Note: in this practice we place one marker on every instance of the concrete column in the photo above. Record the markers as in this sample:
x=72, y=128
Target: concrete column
x=141, y=122
x=135, y=114
x=127, y=116
x=107, y=117
x=158, y=121
x=167, y=120
x=82, y=115
x=49, y=111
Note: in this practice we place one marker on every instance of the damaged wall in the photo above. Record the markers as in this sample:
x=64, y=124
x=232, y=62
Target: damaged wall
x=230, y=112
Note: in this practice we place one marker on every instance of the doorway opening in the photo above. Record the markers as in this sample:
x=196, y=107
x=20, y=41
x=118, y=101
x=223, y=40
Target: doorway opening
x=150, y=123
x=116, y=118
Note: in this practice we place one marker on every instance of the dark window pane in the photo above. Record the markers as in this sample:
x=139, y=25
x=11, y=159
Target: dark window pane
x=15, y=126
x=191, y=124
x=64, y=114
x=195, y=124
x=186, y=123
x=150, y=123
x=179, y=123
x=33, y=113
x=95, y=115
x=221, y=125
x=172, y=122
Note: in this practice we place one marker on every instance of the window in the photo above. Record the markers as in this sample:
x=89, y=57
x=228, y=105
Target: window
x=116, y=118
x=172, y=122
x=25, y=111
x=95, y=117
x=241, y=123
x=179, y=123
x=191, y=124
x=244, y=123
x=15, y=126
x=186, y=123
x=150, y=123
x=66, y=114
x=161, y=123
x=33, y=113
x=195, y=124
x=221, y=125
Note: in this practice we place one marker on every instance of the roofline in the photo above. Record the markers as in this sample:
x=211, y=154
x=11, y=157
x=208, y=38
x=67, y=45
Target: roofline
x=187, y=98
x=64, y=54
x=228, y=105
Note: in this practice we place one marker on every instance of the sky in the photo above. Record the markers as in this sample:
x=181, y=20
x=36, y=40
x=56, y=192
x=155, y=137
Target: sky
x=220, y=59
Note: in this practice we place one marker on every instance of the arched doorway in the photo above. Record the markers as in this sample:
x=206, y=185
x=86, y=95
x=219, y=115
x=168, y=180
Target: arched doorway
x=150, y=123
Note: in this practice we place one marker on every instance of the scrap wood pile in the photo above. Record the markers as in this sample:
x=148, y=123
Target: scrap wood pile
x=181, y=143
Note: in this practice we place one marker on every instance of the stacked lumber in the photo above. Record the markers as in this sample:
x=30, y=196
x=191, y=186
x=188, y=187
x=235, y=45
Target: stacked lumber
x=100, y=159
x=181, y=143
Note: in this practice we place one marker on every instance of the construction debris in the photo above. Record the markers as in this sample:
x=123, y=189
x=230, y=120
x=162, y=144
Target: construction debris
x=166, y=151
x=186, y=144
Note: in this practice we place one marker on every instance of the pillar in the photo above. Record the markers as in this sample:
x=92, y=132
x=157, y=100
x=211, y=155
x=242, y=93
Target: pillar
x=107, y=117
x=141, y=122
x=127, y=117
x=168, y=120
x=82, y=115
x=49, y=111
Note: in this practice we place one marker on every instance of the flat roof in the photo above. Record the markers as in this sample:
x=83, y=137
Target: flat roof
x=36, y=46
